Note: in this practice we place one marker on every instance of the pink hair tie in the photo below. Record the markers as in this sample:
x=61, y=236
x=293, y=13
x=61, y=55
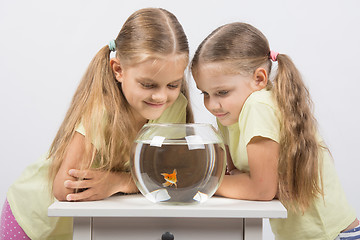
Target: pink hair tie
x=273, y=55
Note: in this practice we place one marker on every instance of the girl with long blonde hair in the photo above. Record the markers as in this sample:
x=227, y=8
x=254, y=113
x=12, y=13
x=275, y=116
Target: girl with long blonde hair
x=274, y=149
x=89, y=157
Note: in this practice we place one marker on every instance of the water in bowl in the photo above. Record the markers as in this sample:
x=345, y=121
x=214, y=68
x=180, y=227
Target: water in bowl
x=177, y=171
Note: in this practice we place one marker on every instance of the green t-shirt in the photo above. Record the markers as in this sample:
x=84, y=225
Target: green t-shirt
x=29, y=196
x=325, y=218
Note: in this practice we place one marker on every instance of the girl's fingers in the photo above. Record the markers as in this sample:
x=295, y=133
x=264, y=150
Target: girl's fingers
x=235, y=171
x=83, y=174
x=81, y=196
x=77, y=184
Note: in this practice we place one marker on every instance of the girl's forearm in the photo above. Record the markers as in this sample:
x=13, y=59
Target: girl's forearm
x=97, y=184
x=261, y=180
x=124, y=182
x=241, y=186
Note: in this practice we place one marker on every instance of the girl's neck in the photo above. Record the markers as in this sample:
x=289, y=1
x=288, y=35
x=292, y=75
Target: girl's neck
x=139, y=121
x=140, y=124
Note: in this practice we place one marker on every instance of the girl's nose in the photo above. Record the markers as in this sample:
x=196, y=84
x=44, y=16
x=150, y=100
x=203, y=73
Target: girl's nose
x=212, y=103
x=159, y=95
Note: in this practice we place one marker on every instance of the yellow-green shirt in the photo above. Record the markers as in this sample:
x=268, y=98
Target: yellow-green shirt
x=325, y=218
x=29, y=196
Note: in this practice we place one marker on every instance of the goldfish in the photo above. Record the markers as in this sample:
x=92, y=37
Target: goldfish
x=170, y=179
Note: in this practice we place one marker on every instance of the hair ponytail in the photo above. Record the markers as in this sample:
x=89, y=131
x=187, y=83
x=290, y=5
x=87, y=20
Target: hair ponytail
x=298, y=166
x=98, y=96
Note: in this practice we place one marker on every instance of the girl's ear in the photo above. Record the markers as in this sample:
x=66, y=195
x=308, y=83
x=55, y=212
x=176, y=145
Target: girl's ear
x=260, y=78
x=117, y=69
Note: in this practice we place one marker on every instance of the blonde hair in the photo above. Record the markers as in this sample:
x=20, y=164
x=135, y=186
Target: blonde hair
x=99, y=104
x=241, y=48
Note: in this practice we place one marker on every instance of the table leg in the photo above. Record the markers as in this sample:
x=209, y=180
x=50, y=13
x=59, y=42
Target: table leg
x=82, y=228
x=253, y=228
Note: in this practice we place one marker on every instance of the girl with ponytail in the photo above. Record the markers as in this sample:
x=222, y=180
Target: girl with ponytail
x=274, y=149
x=89, y=157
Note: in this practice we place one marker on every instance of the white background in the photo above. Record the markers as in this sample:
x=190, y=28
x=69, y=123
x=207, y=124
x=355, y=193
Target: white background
x=45, y=47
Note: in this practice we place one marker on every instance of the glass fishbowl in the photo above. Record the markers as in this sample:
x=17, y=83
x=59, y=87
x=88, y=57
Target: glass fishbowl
x=178, y=163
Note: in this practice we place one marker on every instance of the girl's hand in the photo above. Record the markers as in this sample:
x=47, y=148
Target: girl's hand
x=235, y=171
x=97, y=185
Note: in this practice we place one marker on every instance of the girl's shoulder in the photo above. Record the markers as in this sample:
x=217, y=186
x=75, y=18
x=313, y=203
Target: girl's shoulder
x=261, y=97
x=260, y=105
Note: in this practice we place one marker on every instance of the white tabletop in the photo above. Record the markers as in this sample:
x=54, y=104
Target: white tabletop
x=136, y=205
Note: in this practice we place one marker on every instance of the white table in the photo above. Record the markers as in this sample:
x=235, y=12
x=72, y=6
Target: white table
x=134, y=217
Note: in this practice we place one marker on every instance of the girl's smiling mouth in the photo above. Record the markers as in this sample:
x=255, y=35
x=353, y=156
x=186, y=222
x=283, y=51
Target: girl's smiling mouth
x=155, y=105
x=220, y=115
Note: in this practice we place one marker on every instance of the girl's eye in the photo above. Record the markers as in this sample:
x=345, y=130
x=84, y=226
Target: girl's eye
x=205, y=94
x=147, y=85
x=222, y=93
x=173, y=86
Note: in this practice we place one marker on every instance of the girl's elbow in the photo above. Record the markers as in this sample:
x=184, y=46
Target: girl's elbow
x=60, y=197
x=59, y=191
x=59, y=194
x=266, y=195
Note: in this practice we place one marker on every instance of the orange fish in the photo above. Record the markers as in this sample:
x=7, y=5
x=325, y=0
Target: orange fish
x=170, y=179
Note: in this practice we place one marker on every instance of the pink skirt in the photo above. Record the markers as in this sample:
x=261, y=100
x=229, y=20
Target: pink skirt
x=9, y=228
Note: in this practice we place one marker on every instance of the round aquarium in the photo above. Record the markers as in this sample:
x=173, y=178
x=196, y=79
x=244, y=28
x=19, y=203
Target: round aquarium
x=178, y=163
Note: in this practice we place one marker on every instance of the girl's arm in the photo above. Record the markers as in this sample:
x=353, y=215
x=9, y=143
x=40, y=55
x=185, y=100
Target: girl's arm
x=261, y=183
x=98, y=184
x=229, y=163
x=72, y=159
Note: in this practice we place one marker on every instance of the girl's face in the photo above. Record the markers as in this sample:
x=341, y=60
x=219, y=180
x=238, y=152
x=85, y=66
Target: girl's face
x=224, y=94
x=151, y=86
